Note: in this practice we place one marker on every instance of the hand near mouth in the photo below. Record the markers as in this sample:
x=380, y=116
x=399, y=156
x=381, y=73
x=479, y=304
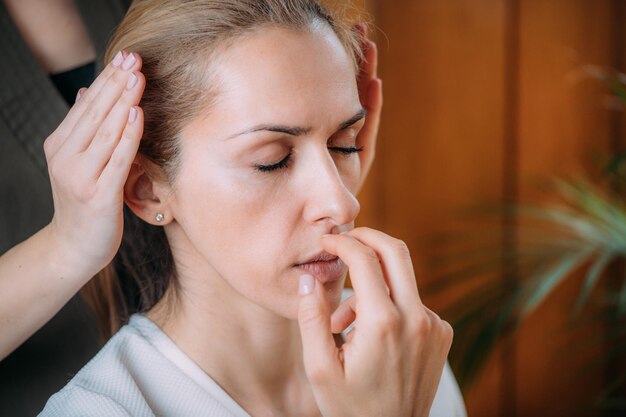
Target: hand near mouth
x=393, y=360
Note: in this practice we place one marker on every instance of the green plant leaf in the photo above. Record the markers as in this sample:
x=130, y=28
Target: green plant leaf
x=621, y=301
x=592, y=277
x=547, y=281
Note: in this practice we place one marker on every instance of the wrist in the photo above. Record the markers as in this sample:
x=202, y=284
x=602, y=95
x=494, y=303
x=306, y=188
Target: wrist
x=64, y=258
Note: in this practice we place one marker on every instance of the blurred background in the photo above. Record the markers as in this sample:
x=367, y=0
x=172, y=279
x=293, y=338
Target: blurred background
x=486, y=103
x=499, y=163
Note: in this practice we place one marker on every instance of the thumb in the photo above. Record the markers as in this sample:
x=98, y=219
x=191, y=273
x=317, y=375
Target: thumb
x=318, y=345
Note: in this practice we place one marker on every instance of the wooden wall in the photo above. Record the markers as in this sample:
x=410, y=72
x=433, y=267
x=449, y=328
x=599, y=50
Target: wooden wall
x=482, y=97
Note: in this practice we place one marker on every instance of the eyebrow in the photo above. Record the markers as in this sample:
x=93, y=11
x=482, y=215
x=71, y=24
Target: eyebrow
x=298, y=131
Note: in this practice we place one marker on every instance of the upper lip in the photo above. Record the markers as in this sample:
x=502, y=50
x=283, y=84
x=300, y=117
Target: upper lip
x=322, y=256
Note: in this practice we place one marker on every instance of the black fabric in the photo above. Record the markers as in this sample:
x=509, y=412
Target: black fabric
x=31, y=107
x=69, y=82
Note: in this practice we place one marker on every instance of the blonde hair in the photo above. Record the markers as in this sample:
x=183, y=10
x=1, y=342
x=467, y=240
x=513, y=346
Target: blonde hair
x=177, y=40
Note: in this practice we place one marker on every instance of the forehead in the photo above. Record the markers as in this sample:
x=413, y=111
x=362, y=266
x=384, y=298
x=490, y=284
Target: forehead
x=278, y=73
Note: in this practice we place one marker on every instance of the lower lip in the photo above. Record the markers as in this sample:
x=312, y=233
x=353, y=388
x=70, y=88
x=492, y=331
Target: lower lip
x=326, y=271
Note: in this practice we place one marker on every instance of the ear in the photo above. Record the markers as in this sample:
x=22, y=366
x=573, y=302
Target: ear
x=145, y=196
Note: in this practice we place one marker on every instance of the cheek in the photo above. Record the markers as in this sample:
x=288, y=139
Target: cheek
x=243, y=232
x=235, y=223
x=236, y=215
x=349, y=169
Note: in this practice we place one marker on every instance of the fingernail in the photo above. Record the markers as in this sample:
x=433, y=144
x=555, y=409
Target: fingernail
x=307, y=283
x=129, y=61
x=132, y=80
x=78, y=95
x=132, y=115
x=117, y=60
x=327, y=235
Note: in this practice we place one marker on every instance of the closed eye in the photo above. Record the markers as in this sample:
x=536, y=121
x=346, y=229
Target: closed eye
x=349, y=150
x=279, y=165
x=284, y=163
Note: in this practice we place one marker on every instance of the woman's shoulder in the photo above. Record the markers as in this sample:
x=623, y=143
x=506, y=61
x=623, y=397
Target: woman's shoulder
x=75, y=400
x=106, y=383
x=133, y=375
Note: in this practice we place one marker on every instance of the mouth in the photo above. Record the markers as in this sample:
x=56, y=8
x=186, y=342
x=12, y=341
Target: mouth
x=324, y=266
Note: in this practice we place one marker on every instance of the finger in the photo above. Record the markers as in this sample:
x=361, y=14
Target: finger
x=396, y=264
x=116, y=171
x=343, y=316
x=368, y=70
x=318, y=345
x=110, y=132
x=366, y=274
x=368, y=135
x=349, y=336
x=443, y=328
x=97, y=86
x=80, y=92
x=372, y=59
x=374, y=106
x=361, y=29
x=65, y=128
x=98, y=105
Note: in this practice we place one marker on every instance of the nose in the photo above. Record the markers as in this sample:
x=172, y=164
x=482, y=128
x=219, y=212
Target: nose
x=328, y=198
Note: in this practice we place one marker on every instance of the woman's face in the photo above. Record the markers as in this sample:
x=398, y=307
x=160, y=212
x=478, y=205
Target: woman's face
x=270, y=167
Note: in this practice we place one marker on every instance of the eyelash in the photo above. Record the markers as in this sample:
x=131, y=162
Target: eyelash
x=284, y=163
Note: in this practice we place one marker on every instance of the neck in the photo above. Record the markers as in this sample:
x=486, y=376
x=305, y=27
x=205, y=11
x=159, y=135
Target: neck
x=254, y=354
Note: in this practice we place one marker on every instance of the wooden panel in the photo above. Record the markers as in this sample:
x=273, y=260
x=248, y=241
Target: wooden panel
x=561, y=124
x=441, y=136
x=478, y=95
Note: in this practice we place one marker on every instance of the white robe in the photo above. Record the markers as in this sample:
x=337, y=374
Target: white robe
x=140, y=372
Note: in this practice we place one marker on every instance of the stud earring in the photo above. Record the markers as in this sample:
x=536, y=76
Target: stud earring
x=159, y=217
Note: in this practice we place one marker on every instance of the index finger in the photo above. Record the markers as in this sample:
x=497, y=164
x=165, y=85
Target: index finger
x=92, y=93
x=366, y=273
x=396, y=264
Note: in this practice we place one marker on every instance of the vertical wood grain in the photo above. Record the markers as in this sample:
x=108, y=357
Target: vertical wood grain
x=562, y=122
x=441, y=147
x=483, y=98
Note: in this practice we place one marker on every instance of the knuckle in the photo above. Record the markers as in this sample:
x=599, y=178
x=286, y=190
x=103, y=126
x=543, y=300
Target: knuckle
x=86, y=95
x=119, y=78
x=421, y=325
x=86, y=99
x=57, y=168
x=367, y=255
x=92, y=115
x=447, y=330
x=117, y=160
x=47, y=145
x=54, y=170
x=309, y=315
x=387, y=322
x=401, y=247
x=79, y=188
x=106, y=134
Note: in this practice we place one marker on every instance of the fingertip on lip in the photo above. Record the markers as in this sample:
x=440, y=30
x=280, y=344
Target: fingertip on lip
x=345, y=232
